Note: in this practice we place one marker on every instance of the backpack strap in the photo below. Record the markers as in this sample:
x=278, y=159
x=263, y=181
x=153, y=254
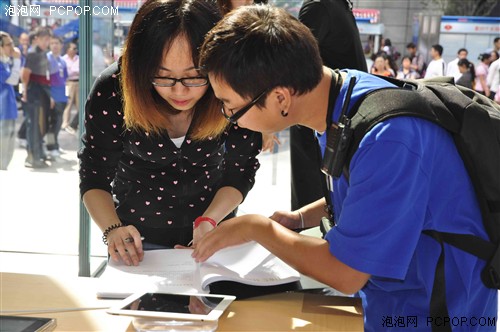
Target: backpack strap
x=438, y=306
x=478, y=247
x=385, y=103
x=335, y=87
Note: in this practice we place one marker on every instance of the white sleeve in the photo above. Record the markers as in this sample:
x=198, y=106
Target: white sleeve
x=492, y=72
x=15, y=73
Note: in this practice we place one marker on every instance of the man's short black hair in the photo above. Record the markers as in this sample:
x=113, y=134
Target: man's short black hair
x=438, y=48
x=260, y=47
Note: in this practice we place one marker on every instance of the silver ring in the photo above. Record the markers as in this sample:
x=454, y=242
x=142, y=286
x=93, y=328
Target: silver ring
x=128, y=240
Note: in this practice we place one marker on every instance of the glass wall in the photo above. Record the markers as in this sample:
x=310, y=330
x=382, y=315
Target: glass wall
x=40, y=201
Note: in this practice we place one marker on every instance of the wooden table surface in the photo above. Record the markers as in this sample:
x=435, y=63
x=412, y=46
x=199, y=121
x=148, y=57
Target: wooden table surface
x=277, y=312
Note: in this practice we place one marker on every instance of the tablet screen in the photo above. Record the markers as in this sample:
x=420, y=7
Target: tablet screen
x=201, y=307
x=175, y=303
x=26, y=324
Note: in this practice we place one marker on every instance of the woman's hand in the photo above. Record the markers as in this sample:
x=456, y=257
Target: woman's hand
x=125, y=243
x=16, y=53
x=291, y=220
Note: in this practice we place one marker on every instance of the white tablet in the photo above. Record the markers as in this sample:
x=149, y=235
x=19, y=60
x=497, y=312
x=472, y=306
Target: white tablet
x=199, y=307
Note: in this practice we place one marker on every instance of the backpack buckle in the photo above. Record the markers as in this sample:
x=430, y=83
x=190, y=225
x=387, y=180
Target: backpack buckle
x=491, y=273
x=409, y=86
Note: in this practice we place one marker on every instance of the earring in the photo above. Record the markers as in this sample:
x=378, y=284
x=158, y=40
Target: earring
x=283, y=114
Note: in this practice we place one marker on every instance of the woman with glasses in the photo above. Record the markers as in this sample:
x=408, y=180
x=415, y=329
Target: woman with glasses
x=160, y=165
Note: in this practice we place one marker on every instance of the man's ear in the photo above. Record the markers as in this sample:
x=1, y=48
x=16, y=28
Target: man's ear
x=283, y=97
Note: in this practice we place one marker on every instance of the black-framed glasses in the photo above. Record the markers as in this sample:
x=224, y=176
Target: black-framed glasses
x=189, y=82
x=234, y=117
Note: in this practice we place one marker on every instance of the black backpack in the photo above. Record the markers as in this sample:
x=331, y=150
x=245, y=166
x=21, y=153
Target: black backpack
x=474, y=122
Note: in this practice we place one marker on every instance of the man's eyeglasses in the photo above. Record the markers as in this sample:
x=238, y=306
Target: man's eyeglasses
x=189, y=82
x=234, y=116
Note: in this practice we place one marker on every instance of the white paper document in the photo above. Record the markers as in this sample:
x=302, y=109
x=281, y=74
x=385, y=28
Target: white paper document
x=174, y=270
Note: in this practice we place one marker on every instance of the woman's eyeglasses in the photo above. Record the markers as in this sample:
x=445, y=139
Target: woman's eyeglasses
x=189, y=82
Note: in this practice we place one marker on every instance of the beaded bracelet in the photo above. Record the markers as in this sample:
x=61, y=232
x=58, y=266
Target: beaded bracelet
x=199, y=220
x=106, y=232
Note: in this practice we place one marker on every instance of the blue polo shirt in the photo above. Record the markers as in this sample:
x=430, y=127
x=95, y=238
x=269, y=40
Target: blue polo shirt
x=407, y=176
x=58, y=76
x=8, y=106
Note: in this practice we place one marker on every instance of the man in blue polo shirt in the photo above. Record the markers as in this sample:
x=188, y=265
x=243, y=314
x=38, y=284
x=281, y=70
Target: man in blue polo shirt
x=58, y=76
x=405, y=177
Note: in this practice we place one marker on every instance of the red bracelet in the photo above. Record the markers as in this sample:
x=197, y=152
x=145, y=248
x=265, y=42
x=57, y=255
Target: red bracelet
x=199, y=220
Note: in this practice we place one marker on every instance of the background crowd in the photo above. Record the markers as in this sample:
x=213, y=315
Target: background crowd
x=481, y=74
x=49, y=68
x=39, y=77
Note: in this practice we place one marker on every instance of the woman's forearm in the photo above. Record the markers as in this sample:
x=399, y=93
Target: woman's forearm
x=225, y=200
x=99, y=204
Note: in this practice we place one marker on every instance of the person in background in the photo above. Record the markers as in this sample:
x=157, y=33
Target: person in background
x=417, y=59
x=392, y=54
x=452, y=67
x=496, y=45
x=10, y=67
x=467, y=73
x=58, y=76
x=157, y=153
x=35, y=76
x=406, y=176
x=24, y=45
x=482, y=70
x=73, y=89
x=334, y=27
x=437, y=66
x=406, y=71
x=381, y=66
x=493, y=78
x=494, y=56
x=98, y=57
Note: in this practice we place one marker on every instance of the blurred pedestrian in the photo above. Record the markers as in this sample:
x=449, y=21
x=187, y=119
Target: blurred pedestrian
x=58, y=76
x=406, y=71
x=35, y=77
x=467, y=73
x=437, y=67
x=381, y=66
x=482, y=70
x=417, y=59
x=452, y=67
x=10, y=66
x=493, y=78
x=72, y=60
